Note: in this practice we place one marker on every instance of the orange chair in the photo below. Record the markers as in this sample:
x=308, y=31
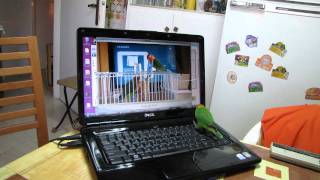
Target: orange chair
x=36, y=97
x=296, y=126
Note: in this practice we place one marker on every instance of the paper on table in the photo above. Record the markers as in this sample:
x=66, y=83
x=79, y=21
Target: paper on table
x=275, y=171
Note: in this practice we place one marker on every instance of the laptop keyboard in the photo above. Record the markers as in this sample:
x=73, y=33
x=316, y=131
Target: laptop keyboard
x=132, y=146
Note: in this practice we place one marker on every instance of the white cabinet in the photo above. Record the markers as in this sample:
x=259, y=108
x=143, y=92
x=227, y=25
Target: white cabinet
x=152, y=19
x=208, y=25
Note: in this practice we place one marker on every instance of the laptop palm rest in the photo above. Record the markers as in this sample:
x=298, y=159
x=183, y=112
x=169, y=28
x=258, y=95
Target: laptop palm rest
x=178, y=166
x=189, y=164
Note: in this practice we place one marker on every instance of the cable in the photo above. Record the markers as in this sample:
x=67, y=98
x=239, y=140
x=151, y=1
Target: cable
x=72, y=141
x=72, y=137
x=70, y=144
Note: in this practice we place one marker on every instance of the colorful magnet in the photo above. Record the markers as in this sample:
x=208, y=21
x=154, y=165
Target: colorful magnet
x=313, y=93
x=241, y=60
x=273, y=172
x=255, y=87
x=232, y=47
x=264, y=62
x=280, y=72
x=251, y=41
x=279, y=48
x=232, y=77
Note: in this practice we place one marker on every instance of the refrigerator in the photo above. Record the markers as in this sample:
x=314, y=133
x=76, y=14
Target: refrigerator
x=269, y=57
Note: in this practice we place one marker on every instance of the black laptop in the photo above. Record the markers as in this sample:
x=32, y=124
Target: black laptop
x=138, y=91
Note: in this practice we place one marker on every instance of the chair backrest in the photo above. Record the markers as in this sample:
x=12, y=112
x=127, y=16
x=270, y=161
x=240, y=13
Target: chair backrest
x=296, y=126
x=35, y=96
x=254, y=135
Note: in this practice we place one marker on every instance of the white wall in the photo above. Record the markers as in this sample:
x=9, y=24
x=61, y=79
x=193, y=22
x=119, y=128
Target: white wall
x=16, y=18
x=68, y=17
x=74, y=14
x=68, y=56
x=56, y=47
x=44, y=27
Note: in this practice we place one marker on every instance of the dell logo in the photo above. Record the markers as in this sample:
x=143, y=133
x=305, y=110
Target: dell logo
x=147, y=115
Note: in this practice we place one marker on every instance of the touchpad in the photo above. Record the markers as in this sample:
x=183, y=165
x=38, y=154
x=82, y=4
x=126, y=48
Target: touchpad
x=178, y=166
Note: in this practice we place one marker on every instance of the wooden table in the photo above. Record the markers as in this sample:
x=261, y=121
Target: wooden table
x=70, y=82
x=50, y=162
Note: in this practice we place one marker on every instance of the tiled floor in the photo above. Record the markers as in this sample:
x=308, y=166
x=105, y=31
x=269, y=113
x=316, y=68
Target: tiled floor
x=12, y=146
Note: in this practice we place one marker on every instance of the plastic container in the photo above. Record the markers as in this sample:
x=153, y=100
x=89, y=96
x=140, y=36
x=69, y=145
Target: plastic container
x=191, y=4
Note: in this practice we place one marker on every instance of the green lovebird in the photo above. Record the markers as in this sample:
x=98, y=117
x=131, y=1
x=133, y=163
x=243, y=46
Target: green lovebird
x=205, y=120
x=156, y=63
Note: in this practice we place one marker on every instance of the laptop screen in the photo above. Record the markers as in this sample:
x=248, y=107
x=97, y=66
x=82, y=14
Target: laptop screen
x=123, y=75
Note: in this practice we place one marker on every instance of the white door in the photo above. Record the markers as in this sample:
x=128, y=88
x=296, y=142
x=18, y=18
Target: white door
x=297, y=27
x=210, y=27
x=73, y=14
x=152, y=19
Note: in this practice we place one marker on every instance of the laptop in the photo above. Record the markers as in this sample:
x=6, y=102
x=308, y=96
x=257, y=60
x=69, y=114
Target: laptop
x=138, y=91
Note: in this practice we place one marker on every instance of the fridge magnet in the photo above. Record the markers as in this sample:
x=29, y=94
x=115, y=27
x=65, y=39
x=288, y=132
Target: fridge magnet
x=270, y=170
x=280, y=72
x=279, y=48
x=255, y=87
x=241, y=60
x=232, y=77
x=232, y=47
x=264, y=62
x=313, y=93
x=251, y=41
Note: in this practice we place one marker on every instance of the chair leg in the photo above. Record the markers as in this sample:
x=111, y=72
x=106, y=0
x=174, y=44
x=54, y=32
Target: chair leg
x=42, y=135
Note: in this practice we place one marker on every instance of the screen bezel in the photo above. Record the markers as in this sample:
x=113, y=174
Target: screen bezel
x=148, y=35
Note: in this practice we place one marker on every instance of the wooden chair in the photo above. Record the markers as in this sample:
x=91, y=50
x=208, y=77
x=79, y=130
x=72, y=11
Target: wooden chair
x=35, y=83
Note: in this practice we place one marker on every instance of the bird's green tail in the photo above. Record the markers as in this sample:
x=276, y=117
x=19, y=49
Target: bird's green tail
x=215, y=132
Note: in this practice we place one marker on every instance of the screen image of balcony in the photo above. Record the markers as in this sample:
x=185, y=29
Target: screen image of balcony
x=132, y=77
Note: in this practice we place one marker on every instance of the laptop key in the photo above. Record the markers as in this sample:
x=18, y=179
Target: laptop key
x=112, y=139
x=136, y=157
x=131, y=152
x=164, y=148
x=105, y=141
x=156, y=142
x=109, y=146
x=116, y=160
x=123, y=148
x=112, y=151
x=116, y=154
x=127, y=159
x=146, y=156
x=169, y=152
x=140, y=151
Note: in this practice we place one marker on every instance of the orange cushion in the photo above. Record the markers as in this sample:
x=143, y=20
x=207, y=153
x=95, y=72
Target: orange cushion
x=296, y=126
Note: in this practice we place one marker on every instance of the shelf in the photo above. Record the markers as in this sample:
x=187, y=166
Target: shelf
x=176, y=9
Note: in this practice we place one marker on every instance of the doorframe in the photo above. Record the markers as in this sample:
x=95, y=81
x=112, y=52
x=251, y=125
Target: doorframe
x=56, y=47
x=34, y=17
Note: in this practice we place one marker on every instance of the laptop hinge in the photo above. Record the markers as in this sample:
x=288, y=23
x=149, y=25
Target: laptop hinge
x=173, y=121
